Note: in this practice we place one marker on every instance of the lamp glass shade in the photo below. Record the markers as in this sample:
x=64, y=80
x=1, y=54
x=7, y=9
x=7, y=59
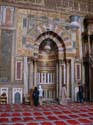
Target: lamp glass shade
x=74, y=24
x=47, y=47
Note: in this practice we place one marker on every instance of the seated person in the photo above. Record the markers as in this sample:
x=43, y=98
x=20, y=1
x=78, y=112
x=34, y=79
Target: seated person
x=3, y=98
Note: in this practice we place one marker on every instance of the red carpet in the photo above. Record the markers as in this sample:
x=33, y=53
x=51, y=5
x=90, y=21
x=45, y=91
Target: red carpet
x=48, y=114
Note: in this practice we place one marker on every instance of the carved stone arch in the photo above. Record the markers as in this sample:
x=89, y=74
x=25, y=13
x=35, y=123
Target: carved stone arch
x=55, y=37
x=58, y=29
x=52, y=35
x=42, y=29
x=57, y=33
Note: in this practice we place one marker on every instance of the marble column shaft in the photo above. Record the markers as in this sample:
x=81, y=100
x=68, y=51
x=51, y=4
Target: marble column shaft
x=25, y=76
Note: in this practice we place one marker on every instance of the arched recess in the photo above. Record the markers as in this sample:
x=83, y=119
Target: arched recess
x=48, y=47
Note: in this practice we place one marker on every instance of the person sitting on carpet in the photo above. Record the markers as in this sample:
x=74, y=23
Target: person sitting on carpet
x=3, y=98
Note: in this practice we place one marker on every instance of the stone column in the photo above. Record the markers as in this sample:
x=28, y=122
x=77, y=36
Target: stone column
x=65, y=73
x=13, y=56
x=13, y=33
x=45, y=77
x=68, y=75
x=57, y=81
x=48, y=77
x=60, y=79
x=52, y=77
x=31, y=75
x=73, y=79
x=79, y=43
x=35, y=73
x=25, y=76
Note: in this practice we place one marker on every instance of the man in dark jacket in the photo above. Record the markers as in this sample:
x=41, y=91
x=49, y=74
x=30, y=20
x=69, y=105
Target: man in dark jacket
x=80, y=93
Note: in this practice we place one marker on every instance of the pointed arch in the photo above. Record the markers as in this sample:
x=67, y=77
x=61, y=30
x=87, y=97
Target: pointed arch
x=56, y=38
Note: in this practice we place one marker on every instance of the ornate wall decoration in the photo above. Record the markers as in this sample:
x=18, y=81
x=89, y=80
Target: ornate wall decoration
x=31, y=24
x=77, y=71
x=18, y=71
x=7, y=15
x=5, y=62
x=24, y=42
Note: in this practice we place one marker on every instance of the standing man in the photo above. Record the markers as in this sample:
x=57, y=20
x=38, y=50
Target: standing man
x=36, y=96
x=31, y=96
x=63, y=95
x=40, y=95
x=80, y=93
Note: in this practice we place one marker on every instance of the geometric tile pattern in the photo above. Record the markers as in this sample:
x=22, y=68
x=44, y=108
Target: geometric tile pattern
x=47, y=114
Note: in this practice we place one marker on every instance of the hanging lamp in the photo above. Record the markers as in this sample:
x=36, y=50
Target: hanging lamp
x=74, y=22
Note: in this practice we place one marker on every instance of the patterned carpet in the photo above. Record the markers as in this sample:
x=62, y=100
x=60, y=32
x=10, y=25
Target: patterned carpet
x=48, y=114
